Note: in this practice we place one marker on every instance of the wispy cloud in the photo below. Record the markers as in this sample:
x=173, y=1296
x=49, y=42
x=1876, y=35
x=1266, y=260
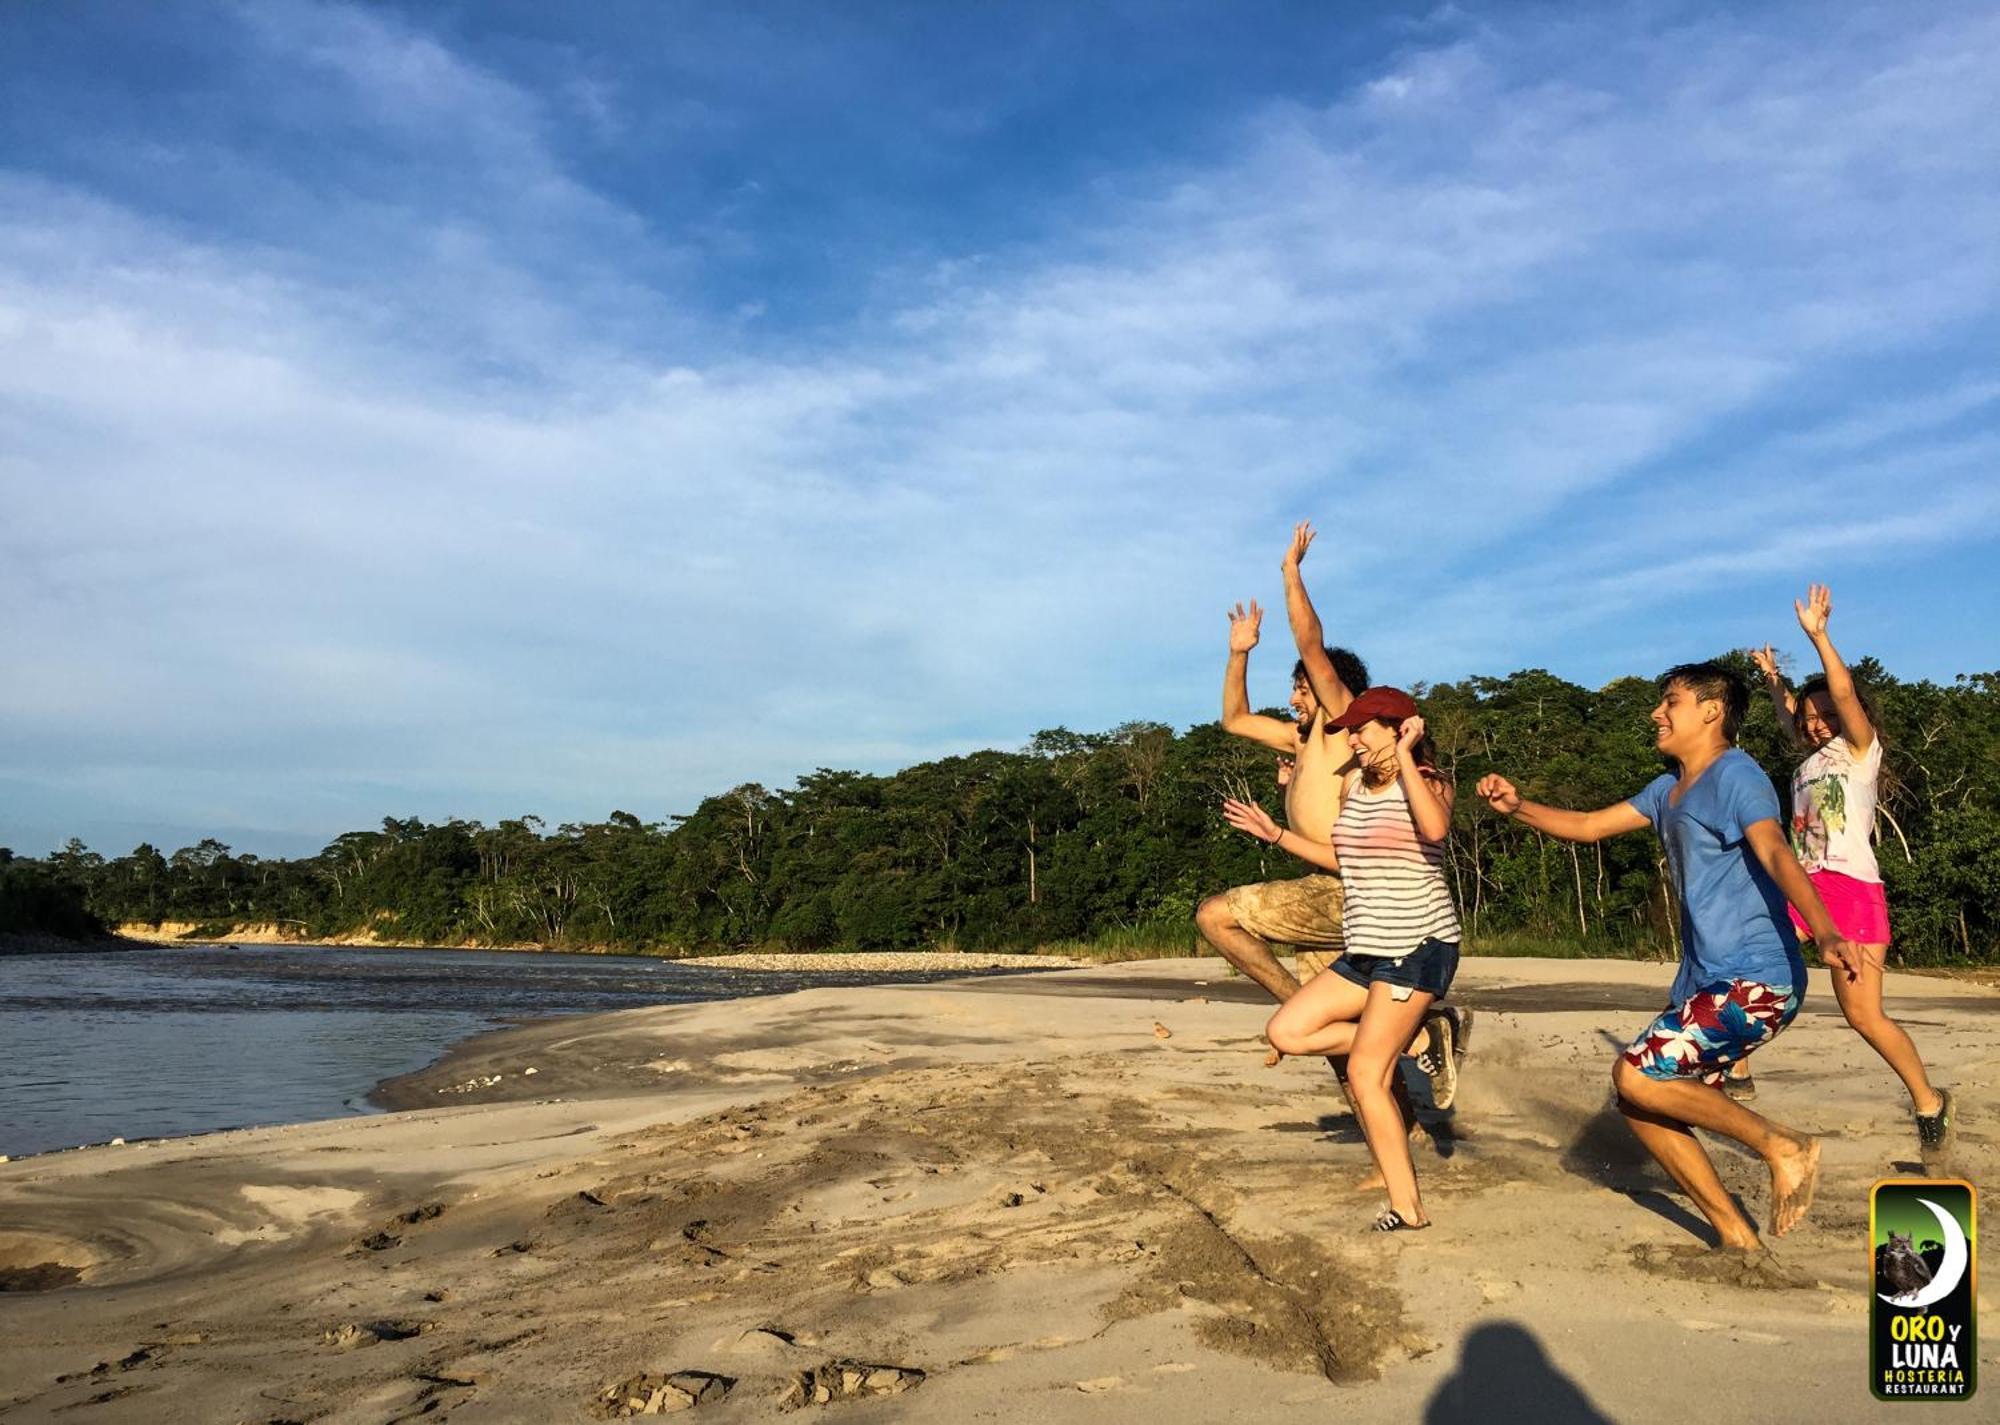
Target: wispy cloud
x=441, y=486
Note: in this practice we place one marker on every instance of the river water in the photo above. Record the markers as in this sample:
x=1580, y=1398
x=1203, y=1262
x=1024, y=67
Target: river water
x=147, y=1043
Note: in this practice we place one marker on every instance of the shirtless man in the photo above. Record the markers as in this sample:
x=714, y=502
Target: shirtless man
x=1244, y=922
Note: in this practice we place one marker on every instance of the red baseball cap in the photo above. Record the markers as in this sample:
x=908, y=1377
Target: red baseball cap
x=1391, y=703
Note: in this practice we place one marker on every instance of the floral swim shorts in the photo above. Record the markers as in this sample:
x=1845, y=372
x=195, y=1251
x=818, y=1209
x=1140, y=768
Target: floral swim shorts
x=1712, y=1029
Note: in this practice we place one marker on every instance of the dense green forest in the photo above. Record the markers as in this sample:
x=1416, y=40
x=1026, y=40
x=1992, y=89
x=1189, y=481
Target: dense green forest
x=36, y=896
x=1078, y=837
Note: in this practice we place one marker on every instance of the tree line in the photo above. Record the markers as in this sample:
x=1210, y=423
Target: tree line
x=1077, y=837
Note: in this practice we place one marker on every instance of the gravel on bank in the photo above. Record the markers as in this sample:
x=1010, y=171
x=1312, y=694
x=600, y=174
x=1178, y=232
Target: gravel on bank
x=888, y=961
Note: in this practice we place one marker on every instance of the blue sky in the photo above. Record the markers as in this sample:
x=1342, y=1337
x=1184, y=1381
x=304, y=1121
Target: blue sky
x=477, y=409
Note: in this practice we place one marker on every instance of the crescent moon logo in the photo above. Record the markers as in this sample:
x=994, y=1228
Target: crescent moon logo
x=1950, y=1271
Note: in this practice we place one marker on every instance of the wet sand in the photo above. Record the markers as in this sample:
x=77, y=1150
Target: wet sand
x=981, y=1200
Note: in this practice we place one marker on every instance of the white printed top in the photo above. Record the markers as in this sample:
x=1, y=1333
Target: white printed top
x=1833, y=810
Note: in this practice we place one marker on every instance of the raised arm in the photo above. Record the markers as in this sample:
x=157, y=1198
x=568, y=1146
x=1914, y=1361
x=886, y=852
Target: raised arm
x=1565, y=825
x=1244, y=630
x=1766, y=659
x=1333, y=695
x=1430, y=796
x=1768, y=843
x=1813, y=615
x=1253, y=820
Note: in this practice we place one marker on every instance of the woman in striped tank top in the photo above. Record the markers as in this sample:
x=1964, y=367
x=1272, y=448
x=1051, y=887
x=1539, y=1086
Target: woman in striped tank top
x=1402, y=932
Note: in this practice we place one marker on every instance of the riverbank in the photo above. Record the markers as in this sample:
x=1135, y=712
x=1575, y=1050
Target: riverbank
x=1076, y=1195
x=31, y=942
x=183, y=933
x=162, y=1041
x=1120, y=947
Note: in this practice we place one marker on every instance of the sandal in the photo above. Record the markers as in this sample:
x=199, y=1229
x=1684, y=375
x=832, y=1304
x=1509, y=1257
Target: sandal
x=1392, y=1221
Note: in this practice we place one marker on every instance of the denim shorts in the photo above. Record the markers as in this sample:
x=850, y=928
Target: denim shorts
x=1429, y=968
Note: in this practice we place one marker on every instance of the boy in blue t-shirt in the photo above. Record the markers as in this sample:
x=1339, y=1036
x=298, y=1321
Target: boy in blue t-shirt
x=1741, y=978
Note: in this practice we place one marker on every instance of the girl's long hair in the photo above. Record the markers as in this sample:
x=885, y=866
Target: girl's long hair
x=1889, y=785
x=1817, y=684
x=1424, y=754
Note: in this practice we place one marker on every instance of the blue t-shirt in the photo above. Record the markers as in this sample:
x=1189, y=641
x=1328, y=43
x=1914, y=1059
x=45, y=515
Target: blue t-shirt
x=1734, y=924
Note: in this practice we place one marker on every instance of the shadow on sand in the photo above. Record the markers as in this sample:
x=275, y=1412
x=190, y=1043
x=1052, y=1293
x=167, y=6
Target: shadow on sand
x=1504, y=1374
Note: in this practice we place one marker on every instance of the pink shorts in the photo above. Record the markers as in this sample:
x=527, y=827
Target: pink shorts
x=1859, y=909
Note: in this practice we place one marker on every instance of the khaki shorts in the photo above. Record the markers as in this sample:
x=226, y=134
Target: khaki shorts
x=1305, y=913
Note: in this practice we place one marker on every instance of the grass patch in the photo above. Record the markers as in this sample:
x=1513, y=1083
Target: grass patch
x=1156, y=940
x=1524, y=944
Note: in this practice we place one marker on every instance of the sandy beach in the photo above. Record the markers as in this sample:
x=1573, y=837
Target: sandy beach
x=1075, y=1195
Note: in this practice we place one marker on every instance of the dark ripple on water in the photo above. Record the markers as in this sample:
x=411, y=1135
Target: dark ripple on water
x=145, y=1043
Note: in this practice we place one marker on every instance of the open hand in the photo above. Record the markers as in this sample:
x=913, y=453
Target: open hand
x=1815, y=611
x=1499, y=794
x=1766, y=659
x=1286, y=768
x=1302, y=538
x=1251, y=818
x=1245, y=628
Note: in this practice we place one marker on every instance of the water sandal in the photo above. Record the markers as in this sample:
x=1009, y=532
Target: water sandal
x=1935, y=1132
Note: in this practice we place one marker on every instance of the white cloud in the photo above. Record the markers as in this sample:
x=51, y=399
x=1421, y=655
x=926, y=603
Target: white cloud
x=423, y=503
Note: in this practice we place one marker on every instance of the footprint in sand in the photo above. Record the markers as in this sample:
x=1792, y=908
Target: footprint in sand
x=664, y=1394
x=1757, y=1271
x=848, y=1380
x=352, y=1334
x=1737, y=1333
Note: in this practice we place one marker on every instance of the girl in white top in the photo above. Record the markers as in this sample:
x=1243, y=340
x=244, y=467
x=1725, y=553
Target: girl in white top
x=1833, y=816
x=1402, y=932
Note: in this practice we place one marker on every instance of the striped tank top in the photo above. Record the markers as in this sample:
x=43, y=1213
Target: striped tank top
x=1397, y=896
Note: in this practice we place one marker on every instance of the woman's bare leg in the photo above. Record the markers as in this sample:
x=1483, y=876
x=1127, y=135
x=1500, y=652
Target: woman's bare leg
x=1861, y=1001
x=1386, y=1028
x=1319, y=1018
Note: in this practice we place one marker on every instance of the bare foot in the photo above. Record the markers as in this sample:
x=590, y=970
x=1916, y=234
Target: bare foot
x=1273, y=1058
x=1794, y=1177
x=1374, y=1182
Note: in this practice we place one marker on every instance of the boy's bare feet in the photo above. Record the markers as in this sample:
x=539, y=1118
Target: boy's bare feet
x=1794, y=1177
x=1743, y=1238
x=1272, y=1058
